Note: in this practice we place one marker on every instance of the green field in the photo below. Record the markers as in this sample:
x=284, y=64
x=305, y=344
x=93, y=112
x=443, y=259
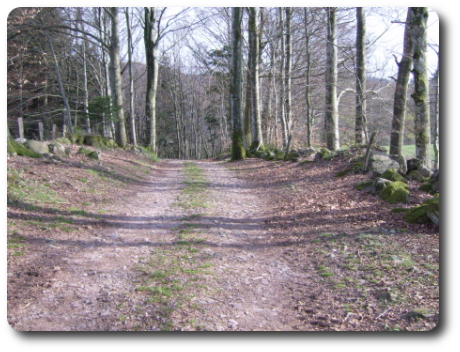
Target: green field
x=409, y=150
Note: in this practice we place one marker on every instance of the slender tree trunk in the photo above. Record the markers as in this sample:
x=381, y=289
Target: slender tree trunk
x=421, y=86
x=307, y=78
x=85, y=90
x=400, y=97
x=436, y=120
x=116, y=74
x=67, y=116
x=287, y=75
x=360, y=125
x=238, y=151
x=254, y=47
x=131, y=79
x=151, y=42
x=282, y=81
x=331, y=116
x=247, y=109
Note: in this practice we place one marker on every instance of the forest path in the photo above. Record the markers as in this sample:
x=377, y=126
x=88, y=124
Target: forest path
x=162, y=261
x=216, y=246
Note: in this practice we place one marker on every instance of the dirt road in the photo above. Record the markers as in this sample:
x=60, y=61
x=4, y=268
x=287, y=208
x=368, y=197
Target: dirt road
x=200, y=246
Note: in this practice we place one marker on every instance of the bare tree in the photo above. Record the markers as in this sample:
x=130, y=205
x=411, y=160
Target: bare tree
x=360, y=125
x=254, y=56
x=331, y=118
x=131, y=79
x=151, y=39
x=238, y=151
x=115, y=70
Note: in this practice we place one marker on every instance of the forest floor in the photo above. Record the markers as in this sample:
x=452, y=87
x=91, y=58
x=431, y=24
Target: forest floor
x=211, y=245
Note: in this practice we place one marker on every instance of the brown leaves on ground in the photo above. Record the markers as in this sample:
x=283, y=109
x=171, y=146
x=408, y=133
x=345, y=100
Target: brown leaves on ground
x=372, y=269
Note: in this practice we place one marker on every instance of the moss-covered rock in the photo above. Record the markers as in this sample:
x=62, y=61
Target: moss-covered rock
x=57, y=149
x=364, y=185
x=395, y=192
x=392, y=175
x=84, y=151
x=425, y=213
x=415, y=175
x=93, y=140
x=355, y=168
x=14, y=148
x=95, y=155
x=323, y=154
x=38, y=147
x=62, y=140
x=426, y=187
x=76, y=138
x=380, y=183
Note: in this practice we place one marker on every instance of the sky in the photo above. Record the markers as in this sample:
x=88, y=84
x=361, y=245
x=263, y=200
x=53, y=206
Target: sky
x=392, y=40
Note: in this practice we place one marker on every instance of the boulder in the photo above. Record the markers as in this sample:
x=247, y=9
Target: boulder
x=395, y=192
x=323, y=153
x=424, y=171
x=57, y=149
x=392, y=175
x=38, y=147
x=96, y=155
x=93, y=140
x=14, y=148
x=306, y=152
x=415, y=175
x=380, y=162
x=413, y=164
x=402, y=163
x=425, y=213
x=381, y=183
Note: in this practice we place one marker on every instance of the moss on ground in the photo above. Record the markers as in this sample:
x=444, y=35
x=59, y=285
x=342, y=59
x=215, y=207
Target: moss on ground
x=363, y=185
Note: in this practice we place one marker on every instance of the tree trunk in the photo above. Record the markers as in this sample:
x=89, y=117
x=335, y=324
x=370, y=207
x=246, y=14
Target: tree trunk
x=67, y=116
x=360, y=125
x=331, y=116
x=282, y=93
x=307, y=78
x=131, y=79
x=421, y=85
x=287, y=75
x=238, y=151
x=400, y=97
x=85, y=90
x=116, y=77
x=151, y=42
x=436, y=120
x=254, y=47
